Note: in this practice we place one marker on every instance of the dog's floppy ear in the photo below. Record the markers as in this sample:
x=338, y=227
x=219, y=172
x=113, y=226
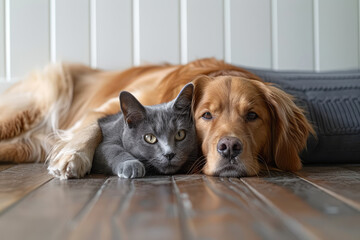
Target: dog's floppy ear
x=290, y=128
x=199, y=84
x=132, y=109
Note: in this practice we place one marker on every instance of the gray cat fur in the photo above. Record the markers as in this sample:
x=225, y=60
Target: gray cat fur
x=125, y=153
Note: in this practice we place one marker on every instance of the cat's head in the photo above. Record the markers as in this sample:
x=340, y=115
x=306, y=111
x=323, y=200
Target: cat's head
x=162, y=136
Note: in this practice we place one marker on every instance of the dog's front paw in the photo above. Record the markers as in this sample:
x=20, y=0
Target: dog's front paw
x=131, y=169
x=71, y=164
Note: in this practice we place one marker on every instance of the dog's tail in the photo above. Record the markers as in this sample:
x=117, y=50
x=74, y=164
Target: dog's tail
x=31, y=109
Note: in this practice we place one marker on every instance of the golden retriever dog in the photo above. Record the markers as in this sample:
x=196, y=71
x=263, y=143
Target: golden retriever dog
x=242, y=123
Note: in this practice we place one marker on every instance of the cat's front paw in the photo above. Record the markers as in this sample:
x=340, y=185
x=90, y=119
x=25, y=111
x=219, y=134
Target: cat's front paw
x=131, y=169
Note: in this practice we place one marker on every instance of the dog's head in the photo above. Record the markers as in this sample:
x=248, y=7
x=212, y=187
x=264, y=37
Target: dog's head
x=243, y=122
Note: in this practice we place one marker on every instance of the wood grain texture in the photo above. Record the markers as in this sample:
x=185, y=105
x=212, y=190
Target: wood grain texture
x=341, y=183
x=97, y=222
x=49, y=212
x=278, y=206
x=352, y=167
x=216, y=207
x=20, y=180
x=5, y=166
x=132, y=209
x=298, y=201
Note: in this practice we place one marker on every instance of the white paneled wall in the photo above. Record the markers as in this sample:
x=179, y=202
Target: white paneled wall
x=72, y=30
x=2, y=39
x=295, y=35
x=316, y=35
x=29, y=35
x=251, y=33
x=338, y=34
x=113, y=34
x=159, y=31
x=205, y=29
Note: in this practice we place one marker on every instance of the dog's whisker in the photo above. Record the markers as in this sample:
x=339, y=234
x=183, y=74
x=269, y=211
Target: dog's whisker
x=264, y=164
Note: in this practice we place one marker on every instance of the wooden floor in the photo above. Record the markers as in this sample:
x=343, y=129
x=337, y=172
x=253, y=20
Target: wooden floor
x=321, y=202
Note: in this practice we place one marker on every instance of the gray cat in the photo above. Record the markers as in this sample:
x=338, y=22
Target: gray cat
x=144, y=140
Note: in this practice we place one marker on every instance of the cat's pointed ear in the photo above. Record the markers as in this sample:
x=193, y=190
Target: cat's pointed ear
x=183, y=101
x=132, y=109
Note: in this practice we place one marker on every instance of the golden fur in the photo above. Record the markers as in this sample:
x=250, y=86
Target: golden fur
x=277, y=135
x=54, y=113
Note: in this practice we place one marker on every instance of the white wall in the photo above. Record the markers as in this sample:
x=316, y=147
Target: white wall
x=315, y=35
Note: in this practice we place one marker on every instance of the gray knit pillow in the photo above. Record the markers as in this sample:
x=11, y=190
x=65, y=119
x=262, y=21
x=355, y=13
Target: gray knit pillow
x=332, y=104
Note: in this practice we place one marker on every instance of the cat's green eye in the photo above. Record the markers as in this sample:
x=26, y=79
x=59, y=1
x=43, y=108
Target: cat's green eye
x=180, y=135
x=150, y=138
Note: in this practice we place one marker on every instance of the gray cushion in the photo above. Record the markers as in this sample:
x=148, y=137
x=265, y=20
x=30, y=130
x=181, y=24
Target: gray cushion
x=332, y=104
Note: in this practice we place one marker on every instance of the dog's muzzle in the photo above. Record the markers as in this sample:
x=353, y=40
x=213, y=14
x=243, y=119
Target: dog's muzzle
x=229, y=147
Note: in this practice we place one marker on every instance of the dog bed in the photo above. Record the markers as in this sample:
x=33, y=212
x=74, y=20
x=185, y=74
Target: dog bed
x=332, y=104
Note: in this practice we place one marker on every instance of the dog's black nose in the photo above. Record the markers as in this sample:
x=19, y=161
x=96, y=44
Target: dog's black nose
x=229, y=147
x=169, y=156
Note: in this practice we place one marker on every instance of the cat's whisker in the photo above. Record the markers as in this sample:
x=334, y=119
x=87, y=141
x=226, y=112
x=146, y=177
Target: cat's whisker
x=192, y=167
x=202, y=169
x=156, y=150
x=198, y=162
x=197, y=168
x=198, y=171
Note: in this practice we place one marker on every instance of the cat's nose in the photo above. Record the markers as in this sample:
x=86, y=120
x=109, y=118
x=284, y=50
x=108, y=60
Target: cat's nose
x=169, y=156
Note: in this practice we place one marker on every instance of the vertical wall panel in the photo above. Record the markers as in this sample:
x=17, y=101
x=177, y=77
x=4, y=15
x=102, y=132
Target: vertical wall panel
x=29, y=35
x=295, y=35
x=304, y=31
x=2, y=40
x=73, y=31
x=159, y=31
x=251, y=33
x=339, y=34
x=205, y=29
x=114, y=34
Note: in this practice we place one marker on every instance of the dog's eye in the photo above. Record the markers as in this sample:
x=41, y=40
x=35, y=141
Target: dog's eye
x=251, y=116
x=207, y=116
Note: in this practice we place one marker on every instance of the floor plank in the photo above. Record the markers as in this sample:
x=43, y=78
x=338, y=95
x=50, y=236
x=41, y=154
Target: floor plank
x=215, y=208
x=18, y=181
x=300, y=202
x=319, y=202
x=132, y=209
x=206, y=215
x=339, y=182
x=264, y=220
x=5, y=166
x=352, y=167
x=49, y=211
